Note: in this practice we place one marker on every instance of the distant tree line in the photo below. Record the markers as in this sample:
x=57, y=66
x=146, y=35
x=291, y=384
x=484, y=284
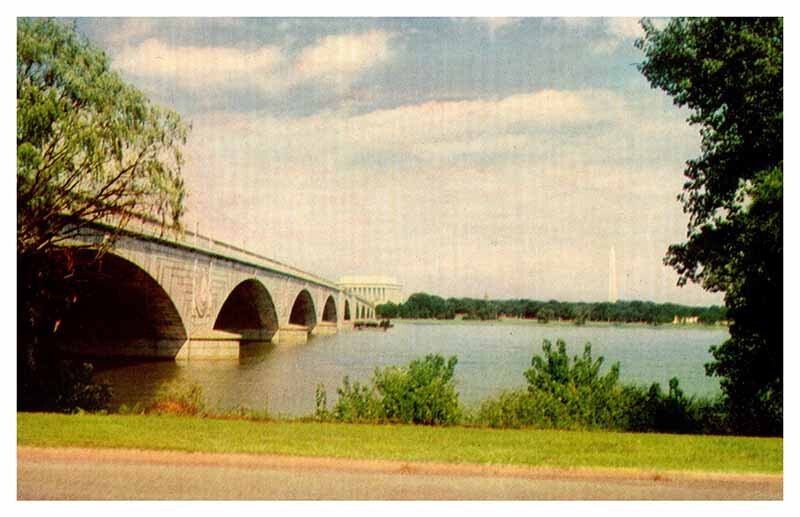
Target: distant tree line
x=429, y=306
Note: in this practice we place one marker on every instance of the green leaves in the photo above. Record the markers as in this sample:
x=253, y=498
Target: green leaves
x=89, y=146
x=729, y=73
x=421, y=393
x=574, y=393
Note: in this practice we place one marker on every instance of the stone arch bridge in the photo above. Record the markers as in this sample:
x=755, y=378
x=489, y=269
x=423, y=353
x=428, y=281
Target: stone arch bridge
x=182, y=295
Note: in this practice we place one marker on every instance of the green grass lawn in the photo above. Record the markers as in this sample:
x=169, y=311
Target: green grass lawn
x=659, y=452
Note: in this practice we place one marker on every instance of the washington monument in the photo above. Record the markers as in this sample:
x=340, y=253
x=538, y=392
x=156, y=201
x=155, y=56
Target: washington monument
x=613, y=293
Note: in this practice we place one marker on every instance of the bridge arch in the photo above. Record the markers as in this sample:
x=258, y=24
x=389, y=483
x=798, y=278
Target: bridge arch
x=303, y=312
x=347, y=310
x=248, y=311
x=120, y=311
x=329, y=311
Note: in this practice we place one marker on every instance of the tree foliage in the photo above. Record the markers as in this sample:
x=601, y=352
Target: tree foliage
x=729, y=73
x=588, y=398
x=89, y=146
x=421, y=393
x=577, y=393
x=426, y=306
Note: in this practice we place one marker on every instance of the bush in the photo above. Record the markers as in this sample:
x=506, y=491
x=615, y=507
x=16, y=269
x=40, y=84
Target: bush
x=521, y=408
x=321, y=413
x=61, y=386
x=357, y=403
x=135, y=409
x=650, y=409
x=421, y=393
x=179, y=398
x=575, y=395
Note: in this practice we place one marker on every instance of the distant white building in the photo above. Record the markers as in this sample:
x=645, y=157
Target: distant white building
x=685, y=320
x=377, y=289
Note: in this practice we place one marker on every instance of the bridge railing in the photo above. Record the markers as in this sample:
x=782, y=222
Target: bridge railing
x=193, y=240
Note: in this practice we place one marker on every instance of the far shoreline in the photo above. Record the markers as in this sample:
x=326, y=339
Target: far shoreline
x=559, y=323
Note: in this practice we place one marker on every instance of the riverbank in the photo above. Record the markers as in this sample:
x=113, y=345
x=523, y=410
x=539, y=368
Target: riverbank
x=654, y=453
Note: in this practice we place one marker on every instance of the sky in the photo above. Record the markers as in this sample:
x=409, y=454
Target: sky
x=499, y=157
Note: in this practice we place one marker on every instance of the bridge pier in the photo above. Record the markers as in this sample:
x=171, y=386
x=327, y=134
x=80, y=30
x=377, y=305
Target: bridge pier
x=221, y=344
x=325, y=328
x=291, y=335
x=209, y=349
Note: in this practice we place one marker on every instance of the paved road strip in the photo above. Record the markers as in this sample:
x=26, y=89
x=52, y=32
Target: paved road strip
x=163, y=457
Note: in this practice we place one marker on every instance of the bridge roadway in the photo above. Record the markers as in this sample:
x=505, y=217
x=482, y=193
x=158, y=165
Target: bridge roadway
x=170, y=294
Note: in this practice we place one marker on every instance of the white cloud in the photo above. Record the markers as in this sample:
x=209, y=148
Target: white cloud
x=126, y=30
x=335, y=60
x=614, y=32
x=541, y=183
x=624, y=28
x=431, y=131
x=618, y=32
x=538, y=130
x=342, y=57
x=201, y=67
x=496, y=23
x=576, y=22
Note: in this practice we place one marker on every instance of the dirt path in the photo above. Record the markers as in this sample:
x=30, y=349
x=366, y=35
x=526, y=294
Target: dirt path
x=136, y=474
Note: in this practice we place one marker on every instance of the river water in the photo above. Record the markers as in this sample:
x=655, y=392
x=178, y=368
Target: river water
x=491, y=357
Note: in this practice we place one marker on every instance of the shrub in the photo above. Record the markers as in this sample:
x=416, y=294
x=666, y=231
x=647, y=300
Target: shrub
x=520, y=408
x=650, y=409
x=357, y=403
x=135, y=409
x=566, y=394
x=179, y=398
x=321, y=412
x=62, y=386
x=244, y=413
x=579, y=395
x=421, y=393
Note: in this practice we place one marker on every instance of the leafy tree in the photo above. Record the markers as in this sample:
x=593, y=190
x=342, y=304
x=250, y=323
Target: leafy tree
x=387, y=310
x=582, y=395
x=423, y=305
x=545, y=314
x=90, y=148
x=729, y=73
